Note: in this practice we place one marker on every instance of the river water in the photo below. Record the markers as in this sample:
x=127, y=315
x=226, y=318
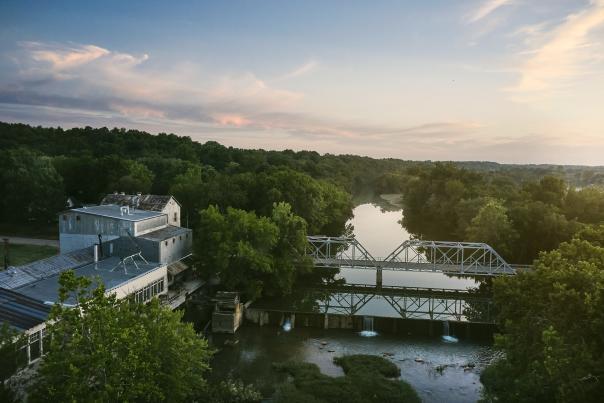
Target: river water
x=438, y=370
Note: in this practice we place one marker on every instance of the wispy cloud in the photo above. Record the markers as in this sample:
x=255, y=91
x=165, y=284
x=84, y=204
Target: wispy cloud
x=564, y=52
x=485, y=9
x=302, y=70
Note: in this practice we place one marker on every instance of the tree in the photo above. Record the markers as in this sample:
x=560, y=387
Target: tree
x=138, y=178
x=492, y=226
x=254, y=255
x=112, y=350
x=30, y=186
x=552, y=322
x=9, y=350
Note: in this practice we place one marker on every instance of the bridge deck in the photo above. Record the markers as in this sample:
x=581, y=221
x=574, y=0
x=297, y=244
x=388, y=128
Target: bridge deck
x=417, y=267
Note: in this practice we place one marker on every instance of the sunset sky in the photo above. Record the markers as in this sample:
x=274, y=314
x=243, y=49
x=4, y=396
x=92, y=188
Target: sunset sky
x=517, y=81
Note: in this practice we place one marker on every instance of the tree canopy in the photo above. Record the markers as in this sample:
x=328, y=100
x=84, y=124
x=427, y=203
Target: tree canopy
x=552, y=323
x=112, y=350
x=253, y=254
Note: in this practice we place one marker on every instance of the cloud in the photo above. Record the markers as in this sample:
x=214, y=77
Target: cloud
x=562, y=53
x=485, y=9
x=304, y=69
x=95, y=78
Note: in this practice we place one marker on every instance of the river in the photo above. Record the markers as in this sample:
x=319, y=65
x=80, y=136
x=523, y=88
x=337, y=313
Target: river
x=439, y=371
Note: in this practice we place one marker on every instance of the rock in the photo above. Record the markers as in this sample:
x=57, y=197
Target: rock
x=324, y=343
x=419, y=360
x=388, y=354
x=331, y=351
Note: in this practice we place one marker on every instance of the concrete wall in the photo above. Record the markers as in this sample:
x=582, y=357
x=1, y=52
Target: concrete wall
x=406, y=327
x=176, y=248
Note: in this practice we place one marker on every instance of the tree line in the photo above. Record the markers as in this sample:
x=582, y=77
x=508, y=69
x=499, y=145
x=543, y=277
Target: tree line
x=519, y=219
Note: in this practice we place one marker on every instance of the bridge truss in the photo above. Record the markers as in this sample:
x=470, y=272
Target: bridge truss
x=466, y=258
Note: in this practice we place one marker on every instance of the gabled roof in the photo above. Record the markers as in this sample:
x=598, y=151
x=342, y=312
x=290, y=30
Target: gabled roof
x=145, y=202
x=20, y=311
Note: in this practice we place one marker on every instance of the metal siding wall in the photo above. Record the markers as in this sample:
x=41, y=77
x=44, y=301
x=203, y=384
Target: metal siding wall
x=150, y=224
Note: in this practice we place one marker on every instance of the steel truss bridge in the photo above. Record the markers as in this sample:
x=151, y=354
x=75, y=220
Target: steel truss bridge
x=463, y=258
x=410, y=302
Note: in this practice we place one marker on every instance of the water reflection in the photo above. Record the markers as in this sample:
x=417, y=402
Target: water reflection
x=380, y=232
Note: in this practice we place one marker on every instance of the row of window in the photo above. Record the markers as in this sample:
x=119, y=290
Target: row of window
x=149, y=291
x=174, y=239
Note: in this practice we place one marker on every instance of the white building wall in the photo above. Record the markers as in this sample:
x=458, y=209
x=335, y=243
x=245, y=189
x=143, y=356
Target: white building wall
x=172, y=209
x=137, y=283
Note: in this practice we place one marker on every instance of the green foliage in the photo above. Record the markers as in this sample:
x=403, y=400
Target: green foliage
x=368, y=363
x=444, y=202
x=363, y=383
x=491, y=225
x=110, y=350
x=251, y=254
x=30, y=186
x=9, y=343
x=232, y=391
x=552, y=322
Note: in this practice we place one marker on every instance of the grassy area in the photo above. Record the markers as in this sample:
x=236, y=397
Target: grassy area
x=23, y=254
x=367, y=379
x=31, y=230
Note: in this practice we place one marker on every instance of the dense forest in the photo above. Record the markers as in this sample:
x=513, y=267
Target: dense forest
x=264, y=203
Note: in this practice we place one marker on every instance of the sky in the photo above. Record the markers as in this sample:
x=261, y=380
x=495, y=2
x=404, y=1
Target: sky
x=514, y=81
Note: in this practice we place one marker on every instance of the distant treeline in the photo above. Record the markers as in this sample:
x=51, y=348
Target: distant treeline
x=41, y=167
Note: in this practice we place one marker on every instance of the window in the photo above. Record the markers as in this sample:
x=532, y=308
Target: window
x=180, y=237
x=173, y=240
x=175, y=216
x=149, y=291
x=166, y=243
x=77, y=218
x=64, y=217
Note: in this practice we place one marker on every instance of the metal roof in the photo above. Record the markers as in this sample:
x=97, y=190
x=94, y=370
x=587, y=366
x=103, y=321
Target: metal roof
x=112, y=272
x=144, y=202
x=168, y=232
x=20, y=311
x=115, y=211
x=18, y=276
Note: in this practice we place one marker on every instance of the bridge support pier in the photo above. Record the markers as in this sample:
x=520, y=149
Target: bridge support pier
x=378, y=278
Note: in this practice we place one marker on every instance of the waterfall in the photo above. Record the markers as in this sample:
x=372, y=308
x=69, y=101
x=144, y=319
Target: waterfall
x=447, y=338
x=368, y=327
